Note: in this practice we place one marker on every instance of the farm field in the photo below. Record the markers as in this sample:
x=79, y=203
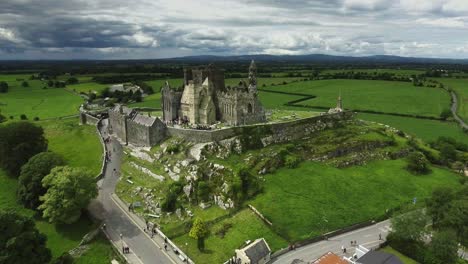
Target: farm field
x=315, y=198
x=460, y=86
x=398, y=72
x=34, y=101
x=87, y=87
x=382, y=96
x=428, y=130
x=79, y=145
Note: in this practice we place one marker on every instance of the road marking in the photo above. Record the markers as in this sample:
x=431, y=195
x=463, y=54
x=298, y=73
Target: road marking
x=138, y=226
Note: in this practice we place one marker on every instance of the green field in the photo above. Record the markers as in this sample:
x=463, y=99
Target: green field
x=80, y=147
x=428, y=130
x=398, y=72
x=245, y=226
x=460, y=86
x=78, y=144
x=33, y=101
x=315, y=198
x=87, y=87
x=382, y=96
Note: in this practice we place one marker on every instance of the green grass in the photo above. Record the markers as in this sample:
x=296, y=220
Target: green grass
x=398, y=72
x=59, y=238
x=100, y=251
x=383, y=96
x=460, y=86
x=87, y=87
x=78, y=144
x=315, y=198
x=80, y=147
x=33, y=101
x=245, y=226
x=402, y=257
x=428, y=130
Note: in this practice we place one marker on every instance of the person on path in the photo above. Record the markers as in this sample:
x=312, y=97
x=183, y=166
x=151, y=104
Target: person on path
x=380, y=236
x=342, y=249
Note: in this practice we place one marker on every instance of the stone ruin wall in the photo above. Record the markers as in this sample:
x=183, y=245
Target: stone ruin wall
x=273, y=133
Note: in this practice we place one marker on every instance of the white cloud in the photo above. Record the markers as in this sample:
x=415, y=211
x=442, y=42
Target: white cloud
x=449, y=22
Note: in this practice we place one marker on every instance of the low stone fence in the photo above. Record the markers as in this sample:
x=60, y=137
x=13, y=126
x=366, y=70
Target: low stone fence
x=260, y=215
x=283, y=131
x=86, y=118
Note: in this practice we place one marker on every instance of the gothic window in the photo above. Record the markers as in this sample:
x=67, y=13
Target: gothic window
x=249, y=108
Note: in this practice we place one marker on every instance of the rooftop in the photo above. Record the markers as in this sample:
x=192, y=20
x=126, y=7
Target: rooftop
x=330, y=258
x=379, y=257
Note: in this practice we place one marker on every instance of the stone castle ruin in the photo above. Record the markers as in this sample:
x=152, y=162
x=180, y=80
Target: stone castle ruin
x=205, y=99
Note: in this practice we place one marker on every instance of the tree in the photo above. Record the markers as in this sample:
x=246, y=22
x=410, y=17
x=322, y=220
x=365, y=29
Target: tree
x=69, y=190
x=458, y=166
x=448, y=153
x=3, y=87
x=19, y=141
x=203, y=191
x=409, y=226
x=72, y=80
x=444, y=247
x=20, y=241
x=417, y=163
x=199, y=232
x=30, y=180
x=445, y=114
x=456, y=219
x=25, y=84
x=2, y=118
x=439, y=204
x=23, y=117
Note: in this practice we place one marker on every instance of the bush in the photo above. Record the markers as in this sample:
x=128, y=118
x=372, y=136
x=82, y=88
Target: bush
x=23, y=117
x=417, y=163
x=445, y=114
x=36, y=118
x=222, y=230
x=292, y=162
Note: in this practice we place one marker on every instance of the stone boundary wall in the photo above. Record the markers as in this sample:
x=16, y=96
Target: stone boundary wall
x=322, y=237
x=86, y=118
x=260, y=215
x=279, y=132
x=104, y=148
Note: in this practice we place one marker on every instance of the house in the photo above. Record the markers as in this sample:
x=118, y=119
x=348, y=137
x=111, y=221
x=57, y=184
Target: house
x=257, y=252
x=330, y=258
x=378, y=257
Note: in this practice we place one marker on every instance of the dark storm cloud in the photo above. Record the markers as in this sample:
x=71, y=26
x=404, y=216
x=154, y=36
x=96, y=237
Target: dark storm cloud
x=163, y=28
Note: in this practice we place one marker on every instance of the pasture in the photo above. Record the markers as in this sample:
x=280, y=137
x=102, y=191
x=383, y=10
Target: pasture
x=315, y=198
x=426, y=129
x=460, y=86
x=34, y=101
x=397, y=72
x=382, y=96
x=78, y=144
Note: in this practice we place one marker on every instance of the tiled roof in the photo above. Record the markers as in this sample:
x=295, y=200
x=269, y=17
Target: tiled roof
x=330, y=258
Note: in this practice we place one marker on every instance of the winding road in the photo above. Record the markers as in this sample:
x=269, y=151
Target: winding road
x=454, y=110
x=122, y=224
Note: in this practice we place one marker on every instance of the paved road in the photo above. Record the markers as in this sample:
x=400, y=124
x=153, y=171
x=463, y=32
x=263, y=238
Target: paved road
x=367, y=237
x=143, y=248
x=454, y=111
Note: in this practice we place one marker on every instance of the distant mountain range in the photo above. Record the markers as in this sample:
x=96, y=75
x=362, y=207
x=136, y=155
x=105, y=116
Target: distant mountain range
x=319, y=58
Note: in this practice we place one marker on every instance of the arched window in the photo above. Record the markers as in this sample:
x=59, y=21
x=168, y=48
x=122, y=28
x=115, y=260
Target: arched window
x=249, y=108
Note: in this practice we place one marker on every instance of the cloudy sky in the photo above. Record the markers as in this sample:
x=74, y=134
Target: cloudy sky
x=135, y=29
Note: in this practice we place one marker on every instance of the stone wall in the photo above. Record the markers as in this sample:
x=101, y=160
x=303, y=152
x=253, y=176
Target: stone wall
x=87, y=119
x=267, y=133
x=118, y=125
x=138, y=134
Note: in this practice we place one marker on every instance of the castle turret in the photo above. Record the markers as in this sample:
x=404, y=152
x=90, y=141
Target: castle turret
x=253, y=77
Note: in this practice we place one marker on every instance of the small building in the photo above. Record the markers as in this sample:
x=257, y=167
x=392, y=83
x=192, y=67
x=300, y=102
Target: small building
x=378, y=257
x=330, y=258
x=257, y=252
